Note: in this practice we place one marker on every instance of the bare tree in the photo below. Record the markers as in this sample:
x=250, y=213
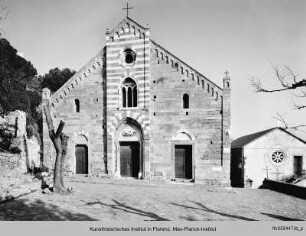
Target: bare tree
x=59, y=140
x=288, y=81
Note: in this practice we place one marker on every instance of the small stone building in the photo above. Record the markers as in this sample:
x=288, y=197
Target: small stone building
x=137, y=110
x=274, y=153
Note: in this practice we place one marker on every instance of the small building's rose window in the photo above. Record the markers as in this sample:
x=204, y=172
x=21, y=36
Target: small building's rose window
x=278, y=157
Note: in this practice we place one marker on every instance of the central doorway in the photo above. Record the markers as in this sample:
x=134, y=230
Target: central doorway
x=183, y=161
x=129, y=159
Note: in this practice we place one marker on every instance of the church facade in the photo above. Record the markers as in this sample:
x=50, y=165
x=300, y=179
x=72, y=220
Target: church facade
x=136, y=110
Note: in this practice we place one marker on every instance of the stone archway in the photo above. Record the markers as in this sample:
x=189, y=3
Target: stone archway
x=128, y=146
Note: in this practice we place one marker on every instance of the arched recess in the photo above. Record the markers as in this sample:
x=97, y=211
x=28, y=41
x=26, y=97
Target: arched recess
x=81, y=154
x=128, y=150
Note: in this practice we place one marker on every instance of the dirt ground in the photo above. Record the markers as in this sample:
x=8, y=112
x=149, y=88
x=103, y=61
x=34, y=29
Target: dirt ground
x=106, y=199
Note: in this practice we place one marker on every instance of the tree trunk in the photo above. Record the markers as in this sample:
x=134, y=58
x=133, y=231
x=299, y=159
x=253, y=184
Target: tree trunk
x=59, y=140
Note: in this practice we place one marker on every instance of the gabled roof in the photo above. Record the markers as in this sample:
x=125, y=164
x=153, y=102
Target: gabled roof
x=244, y=140
x=123, y=23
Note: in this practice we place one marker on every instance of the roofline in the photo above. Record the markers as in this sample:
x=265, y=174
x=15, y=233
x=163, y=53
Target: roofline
x=271, y=129
x=294, y=136
x=186, y=64
x=137, y=23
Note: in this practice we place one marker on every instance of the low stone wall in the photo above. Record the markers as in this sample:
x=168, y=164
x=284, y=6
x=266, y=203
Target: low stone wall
x=11, y=162
x=290, y=189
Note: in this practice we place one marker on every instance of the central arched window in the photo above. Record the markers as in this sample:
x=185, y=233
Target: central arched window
x=129, y=93
x=185, y=101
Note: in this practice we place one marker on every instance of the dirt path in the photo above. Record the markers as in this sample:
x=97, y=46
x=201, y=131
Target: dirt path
x=125, y=200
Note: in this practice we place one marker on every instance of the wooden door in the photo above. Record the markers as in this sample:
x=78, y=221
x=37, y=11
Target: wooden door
x=183, y=161
x=81, y=155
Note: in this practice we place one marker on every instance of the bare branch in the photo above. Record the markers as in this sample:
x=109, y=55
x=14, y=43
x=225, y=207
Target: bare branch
x=60, y=129
x=299, y=107
x=256, y=84
x=281, y=78
x=301, y=95
x=292, y=74
x=287, y=81
x=281, y=121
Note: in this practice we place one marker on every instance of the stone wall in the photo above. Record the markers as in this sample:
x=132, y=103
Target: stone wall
x=29, y=148
x=10, y=162
x=83, y=127
x=206, y=121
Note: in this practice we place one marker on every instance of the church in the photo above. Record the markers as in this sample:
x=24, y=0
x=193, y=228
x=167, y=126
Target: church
x=135, y=110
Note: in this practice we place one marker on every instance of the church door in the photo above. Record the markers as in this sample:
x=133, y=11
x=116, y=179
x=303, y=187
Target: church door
x=81, y=155
x=129, y=159
x=297, y=165
x=183, y=161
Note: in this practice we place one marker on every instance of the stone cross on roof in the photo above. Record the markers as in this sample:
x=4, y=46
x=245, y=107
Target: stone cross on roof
x=127, y=8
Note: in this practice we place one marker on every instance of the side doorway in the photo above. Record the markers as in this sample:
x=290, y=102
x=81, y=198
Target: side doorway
x=183, y=162
x=298, y=165
x=81, y=156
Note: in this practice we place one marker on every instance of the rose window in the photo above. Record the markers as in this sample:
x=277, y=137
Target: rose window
x=278, y=157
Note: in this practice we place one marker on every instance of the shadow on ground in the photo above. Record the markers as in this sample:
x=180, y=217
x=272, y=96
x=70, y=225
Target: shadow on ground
x=284, y=218
x=201, y=207
x=124, y=207
x=23, y=210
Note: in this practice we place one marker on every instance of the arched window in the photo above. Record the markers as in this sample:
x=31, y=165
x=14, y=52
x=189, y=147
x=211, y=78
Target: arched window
x=203, y=84
x=77, y=105
x=212, y=92
x=185, y=101
x=208, y=88
x=129, y=93
x=123, y=97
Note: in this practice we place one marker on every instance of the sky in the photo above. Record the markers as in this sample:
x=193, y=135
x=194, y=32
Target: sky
x=245, y=37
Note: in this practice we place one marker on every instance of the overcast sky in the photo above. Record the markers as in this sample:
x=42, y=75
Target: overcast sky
x=241, y=36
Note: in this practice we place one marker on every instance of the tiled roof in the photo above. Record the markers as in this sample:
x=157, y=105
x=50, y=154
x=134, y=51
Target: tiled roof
x=244, y=140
